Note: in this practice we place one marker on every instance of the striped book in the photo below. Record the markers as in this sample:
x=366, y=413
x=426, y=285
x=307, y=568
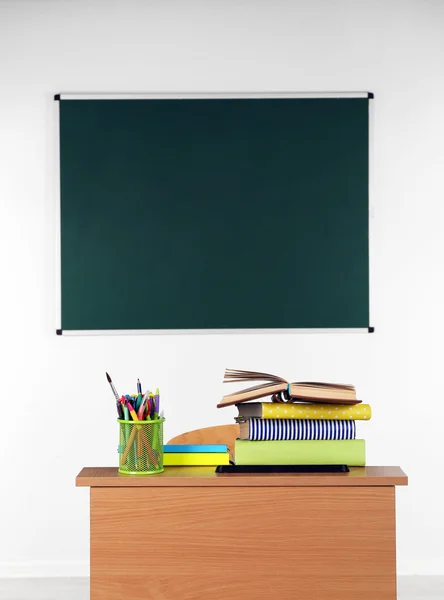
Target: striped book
x=297, y=429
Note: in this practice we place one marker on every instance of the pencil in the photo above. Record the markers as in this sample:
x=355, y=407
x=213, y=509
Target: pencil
x=129, y=445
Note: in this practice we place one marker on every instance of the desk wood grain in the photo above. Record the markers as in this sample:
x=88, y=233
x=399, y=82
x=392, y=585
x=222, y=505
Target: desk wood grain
x=253, y=543
x=206, y=477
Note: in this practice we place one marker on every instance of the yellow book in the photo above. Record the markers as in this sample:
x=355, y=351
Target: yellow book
x=195, y=459
x=278, y=410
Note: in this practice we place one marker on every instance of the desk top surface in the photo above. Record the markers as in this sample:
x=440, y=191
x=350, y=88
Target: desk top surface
x=207, y=477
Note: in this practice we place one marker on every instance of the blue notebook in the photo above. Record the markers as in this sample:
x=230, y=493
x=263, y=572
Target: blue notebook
x=195, y=448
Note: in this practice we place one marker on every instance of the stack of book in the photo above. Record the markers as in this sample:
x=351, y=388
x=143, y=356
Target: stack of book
x=195, y=455
x=304, y=424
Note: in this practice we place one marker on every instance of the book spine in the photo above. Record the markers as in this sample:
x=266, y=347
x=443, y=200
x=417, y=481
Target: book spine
x=301, y=429
x=168, y=448
x=195, y=459
x=301, y=452
x=276, y=410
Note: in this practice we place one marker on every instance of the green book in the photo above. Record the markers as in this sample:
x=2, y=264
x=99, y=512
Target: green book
x=300, y=452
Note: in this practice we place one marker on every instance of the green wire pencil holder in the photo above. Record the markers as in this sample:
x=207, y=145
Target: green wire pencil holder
x=141, y=447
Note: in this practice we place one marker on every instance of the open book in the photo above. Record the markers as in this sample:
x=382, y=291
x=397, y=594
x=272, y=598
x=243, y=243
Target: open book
x=281, y=390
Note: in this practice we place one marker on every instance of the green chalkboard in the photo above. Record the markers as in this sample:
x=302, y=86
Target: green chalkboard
x=214, y=213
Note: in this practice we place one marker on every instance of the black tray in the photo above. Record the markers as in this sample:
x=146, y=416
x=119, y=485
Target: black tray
x=282, y=469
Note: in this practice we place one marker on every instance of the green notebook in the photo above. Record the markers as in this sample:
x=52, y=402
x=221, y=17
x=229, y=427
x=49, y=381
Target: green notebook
x=300, y=452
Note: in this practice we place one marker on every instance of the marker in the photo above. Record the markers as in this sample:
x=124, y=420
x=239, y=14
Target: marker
x=132, y=411
x=112, y=387
x=125, y=408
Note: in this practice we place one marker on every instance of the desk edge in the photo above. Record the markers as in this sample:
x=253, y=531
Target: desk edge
x=86, y=479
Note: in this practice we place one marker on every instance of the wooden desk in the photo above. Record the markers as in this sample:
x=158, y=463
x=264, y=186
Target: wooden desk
x=189, y=534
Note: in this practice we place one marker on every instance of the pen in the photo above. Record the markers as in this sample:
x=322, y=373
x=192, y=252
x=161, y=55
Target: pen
x=138, y=443
x=157, y=404
x=148, y=409
x=139, y=387
x=145, y=402
x=125, y=417
x=152, y=404
x=119, y=409
x=141, y=411
x=112, y=386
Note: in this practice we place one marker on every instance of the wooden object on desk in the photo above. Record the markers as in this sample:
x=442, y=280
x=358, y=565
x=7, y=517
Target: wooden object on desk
x=226, y=537
x=219, y=434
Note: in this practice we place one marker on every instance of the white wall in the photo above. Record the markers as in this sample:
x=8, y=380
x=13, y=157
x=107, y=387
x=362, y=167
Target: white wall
x=393, y=48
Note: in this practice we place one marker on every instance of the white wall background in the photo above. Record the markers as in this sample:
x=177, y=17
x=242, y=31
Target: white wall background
x=394, y=48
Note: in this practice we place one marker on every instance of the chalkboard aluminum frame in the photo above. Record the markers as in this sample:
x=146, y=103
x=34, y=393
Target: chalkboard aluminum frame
x=205, y=95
